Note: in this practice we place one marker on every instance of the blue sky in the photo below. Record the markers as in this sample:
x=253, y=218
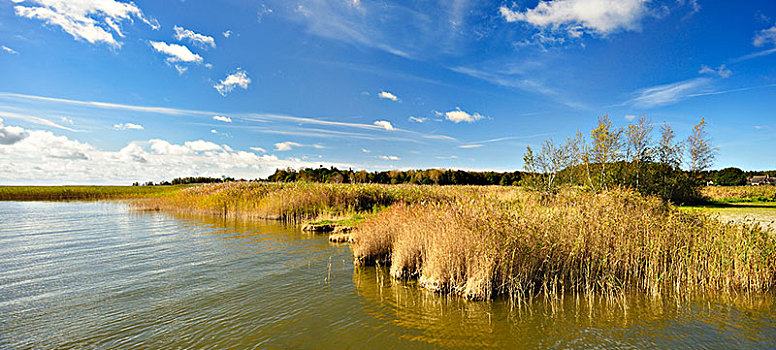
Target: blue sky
x=108, y=91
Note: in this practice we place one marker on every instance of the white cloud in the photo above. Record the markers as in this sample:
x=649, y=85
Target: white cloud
x=458, y=116
x=417, y=119
x=227, y=33
x=388, y=96
x=630, y=117
x=175, y=52
x=384, y=124
x=263, y=11
x=202, y=146
x=286, y=146
x=259, y=149
x=669, y=93
x=213, y=131
x=574, y=17
x=10, y=134
x=470, y=146
x=317, y=146
x=237, y=79
x=45, y=158
x=195, y=38
x=92, y=20
x=221, y=118
x=8, y=50
x=181, y=69
x=722, y=71
x=127, y=126
x=365, y=150
x=66, y=120
x=389, y=158
x=765, y=37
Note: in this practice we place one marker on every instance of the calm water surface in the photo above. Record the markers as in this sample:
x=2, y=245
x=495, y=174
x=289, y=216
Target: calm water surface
x=98, y=276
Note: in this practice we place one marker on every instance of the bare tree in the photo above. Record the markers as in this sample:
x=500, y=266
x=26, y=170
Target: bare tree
x=550, y=161
x=606, y=146
x=699, y=147
x=668, y=152
x=640, y=150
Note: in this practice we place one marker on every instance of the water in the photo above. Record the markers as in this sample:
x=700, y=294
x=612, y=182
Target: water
x=98, y=276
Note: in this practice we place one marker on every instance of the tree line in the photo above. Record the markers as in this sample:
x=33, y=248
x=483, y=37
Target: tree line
x=421, y=177
x=626, y=157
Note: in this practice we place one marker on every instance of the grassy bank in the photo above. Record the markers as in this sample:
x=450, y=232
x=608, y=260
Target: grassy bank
x=55, y=193
x=740, y=194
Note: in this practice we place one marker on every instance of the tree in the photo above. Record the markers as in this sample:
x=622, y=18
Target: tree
x=639, y=137
x=701, y=152
x=730, y=177
x=668, y=152
x=606, y=147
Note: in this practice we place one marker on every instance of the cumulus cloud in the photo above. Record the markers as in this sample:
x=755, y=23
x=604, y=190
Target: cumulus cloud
x=365, y=150
x=418, y=119
x=630, y=117
x=286, y=146
x=576, y=17
x=94, y=21
x=221, y=118
x=722, y=71
x=227, y=33
x=384, y=124
x=8, y=50
x=388, y=96
x=195, y=38
x=458, y=116
x=237, y=79
x=127, y=126
x=175, y=52
x=389, y=158
x=10, y=134
x=43, y=157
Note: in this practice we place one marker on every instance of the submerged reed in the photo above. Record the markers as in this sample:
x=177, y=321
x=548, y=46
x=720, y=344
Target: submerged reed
x=576, y=242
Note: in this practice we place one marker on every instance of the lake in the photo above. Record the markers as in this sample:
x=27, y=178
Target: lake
x=97, y=275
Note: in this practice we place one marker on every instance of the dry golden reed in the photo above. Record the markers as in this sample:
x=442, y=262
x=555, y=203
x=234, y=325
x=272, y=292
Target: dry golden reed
x=578, y=242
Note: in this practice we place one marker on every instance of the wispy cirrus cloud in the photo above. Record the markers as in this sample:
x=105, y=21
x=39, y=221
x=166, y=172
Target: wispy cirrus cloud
x=92, y=21
x=763, y=38
x=722, y=71
x=669, y=93
x=8, y=50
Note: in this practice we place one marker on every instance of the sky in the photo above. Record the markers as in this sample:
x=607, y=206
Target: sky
x=113, y=92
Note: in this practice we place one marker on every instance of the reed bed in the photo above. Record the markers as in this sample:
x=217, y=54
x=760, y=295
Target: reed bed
x=297, y=201
x=57, y=193
x=740, y=194
x=574, y=242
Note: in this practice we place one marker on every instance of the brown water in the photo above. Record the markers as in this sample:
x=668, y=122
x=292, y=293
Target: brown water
x=97, y=276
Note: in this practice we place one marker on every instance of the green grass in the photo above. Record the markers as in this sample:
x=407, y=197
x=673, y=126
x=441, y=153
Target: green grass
x=57, y=193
